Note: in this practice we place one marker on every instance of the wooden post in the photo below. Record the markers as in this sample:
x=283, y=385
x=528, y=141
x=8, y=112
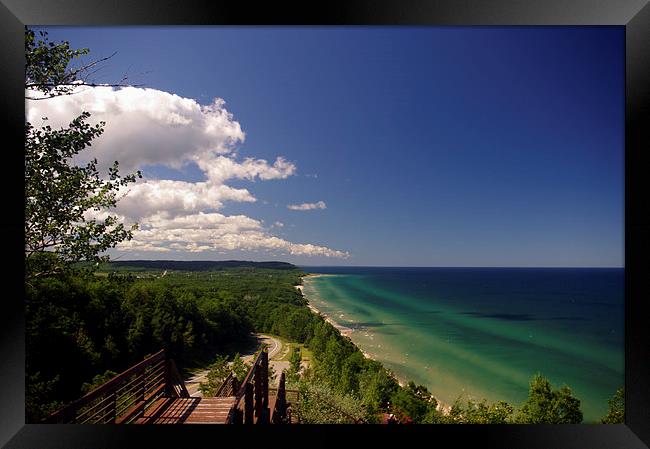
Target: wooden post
x=169, y=389
x=265, y=414
x=248, y=403
x=265, y=379
x=257, y=377
x=176, y=379
x=281, y=400
x=278, y=414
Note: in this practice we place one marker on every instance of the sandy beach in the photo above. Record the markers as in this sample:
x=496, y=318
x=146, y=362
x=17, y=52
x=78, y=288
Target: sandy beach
x=345, y=331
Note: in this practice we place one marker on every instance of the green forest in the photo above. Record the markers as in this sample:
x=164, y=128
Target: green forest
x=80, y=324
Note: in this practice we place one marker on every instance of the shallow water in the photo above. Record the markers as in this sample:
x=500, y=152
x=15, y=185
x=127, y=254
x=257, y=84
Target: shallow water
x=484, y=332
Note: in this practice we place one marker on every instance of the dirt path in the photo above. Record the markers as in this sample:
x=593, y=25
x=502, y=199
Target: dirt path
x=275, y=352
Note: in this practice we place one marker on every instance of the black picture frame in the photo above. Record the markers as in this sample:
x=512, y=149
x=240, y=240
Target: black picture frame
x=634, y=15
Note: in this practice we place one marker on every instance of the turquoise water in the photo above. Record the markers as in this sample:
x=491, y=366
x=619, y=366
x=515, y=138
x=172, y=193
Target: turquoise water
x=484, y=333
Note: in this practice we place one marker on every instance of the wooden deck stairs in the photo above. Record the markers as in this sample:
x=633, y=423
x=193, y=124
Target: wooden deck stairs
x=153, y=392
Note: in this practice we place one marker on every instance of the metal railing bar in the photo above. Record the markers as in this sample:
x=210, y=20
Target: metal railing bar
x=156, y=372
x=135, y=379
x=105, y=388
x=97, y=413
x=131, y=386
x=155, y=380
x=93, y=406
x=131, y=412
x=126, y=406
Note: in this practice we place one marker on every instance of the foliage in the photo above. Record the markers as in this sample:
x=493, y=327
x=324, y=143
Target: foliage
x=473, y=412
x=319, y=403
x=36, y=389
x=376, y=386
x=546, y=405
x=413, y=403
x=293, y=373
x=47, y=65
x=98, y=380
x=239, y=367
x=80, y=324
x=54, y=69
x=217, y=373
x=59, y=197
x=338, y=363
x=272, y=375
x=616, y=412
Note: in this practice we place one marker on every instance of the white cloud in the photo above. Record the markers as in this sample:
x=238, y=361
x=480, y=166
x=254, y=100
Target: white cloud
x=174, y=198
x=278, y=224
x=308, y=206
x=216, y=232
x=145, y=126
x=221, y=168
x=152, y=127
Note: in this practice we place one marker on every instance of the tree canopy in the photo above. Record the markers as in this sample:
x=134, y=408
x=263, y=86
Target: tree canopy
x=51, y=68
x=549, y=406
x=616, y=412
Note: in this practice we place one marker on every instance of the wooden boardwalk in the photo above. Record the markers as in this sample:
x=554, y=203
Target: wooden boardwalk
x=189, y=411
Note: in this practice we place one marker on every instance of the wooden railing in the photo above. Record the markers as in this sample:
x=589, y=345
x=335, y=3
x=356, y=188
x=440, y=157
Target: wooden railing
x=126, y=396
x=279, y=413
x=252, y=398
x=229, y=386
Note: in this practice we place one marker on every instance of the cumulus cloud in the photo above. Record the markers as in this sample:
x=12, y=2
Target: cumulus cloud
x=145, y=126
x=176, y=198
x=217, y=232
x=219, y=169
x=308, y=206
x=151, y=127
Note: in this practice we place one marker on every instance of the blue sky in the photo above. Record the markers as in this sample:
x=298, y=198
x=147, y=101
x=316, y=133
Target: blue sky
x=429, y=146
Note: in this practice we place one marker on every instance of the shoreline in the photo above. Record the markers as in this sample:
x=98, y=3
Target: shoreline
x=345, y=331
x=319, y=275
x=443, y=407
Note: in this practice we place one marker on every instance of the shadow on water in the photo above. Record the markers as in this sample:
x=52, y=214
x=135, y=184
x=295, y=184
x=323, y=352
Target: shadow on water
x=521, y=317
x=370, y=324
